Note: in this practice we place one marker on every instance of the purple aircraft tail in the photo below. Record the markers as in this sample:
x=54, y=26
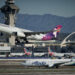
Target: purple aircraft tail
x=53, y=34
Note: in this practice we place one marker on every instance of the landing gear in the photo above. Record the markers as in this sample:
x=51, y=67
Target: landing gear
x=25, y=39
x=17, y=40
x=22, y=40
x=57, y=66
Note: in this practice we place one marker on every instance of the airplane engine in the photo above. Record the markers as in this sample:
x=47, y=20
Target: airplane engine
x=19, y=34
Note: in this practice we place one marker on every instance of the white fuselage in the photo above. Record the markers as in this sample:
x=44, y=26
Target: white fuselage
x=16, y=54
x=45, y=62
x=36, y=37
x=71, y=63
x=11, y=30
x=20, y=32
x=39, y=54
x=62, y=54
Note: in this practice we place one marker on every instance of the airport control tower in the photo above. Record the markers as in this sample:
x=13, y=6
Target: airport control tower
x=10, y=10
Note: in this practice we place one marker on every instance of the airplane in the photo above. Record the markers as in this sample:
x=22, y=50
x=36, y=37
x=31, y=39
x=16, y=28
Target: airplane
x=40, y=54
x=59, y=54
x=54, y=53
x=25, y=34
x=36, y=54
x=48, y=36
x=25, y=53
x=45, y=62
x=71, y=63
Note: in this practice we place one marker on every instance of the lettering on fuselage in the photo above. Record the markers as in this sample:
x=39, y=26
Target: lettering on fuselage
x=39, y=63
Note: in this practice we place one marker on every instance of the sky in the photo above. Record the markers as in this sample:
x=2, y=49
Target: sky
x=65, y=8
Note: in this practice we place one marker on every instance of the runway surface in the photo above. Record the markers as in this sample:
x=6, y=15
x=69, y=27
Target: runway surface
x=21, y=70
x=35, y=74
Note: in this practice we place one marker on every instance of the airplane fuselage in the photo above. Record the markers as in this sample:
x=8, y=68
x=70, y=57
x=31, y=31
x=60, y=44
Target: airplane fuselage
x=25, y=34
x=45, y=62
x=11, y=30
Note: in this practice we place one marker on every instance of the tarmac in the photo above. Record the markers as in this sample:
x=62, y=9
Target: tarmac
x=22, y=70
x=34, y=74
x=14, y=67
x=37, y=72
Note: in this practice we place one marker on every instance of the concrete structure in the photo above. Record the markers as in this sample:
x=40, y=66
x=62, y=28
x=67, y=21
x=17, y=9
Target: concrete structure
x=10, y=10
x=5, y=49
x=66, y=40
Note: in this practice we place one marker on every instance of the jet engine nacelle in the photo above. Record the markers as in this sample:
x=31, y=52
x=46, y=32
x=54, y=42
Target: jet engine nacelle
x=19, y=34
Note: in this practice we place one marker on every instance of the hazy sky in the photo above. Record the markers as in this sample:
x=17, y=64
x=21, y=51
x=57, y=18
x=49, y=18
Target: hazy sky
x=64, y=8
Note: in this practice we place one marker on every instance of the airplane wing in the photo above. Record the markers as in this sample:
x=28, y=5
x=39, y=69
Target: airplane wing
x=60, y=63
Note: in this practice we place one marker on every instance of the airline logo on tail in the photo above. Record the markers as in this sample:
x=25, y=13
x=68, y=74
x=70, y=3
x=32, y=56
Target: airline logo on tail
x=50, y=52
x=26, y=53
x=53, y=34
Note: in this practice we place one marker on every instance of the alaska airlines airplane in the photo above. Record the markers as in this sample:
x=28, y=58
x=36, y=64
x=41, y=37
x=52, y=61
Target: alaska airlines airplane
x=59, y=54
x=26, y=52
x=54, y=53
x=45, y=62
x=29, y=53
x=24, y=34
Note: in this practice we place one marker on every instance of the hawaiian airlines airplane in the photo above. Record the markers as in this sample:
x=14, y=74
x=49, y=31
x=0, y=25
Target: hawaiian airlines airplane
x=48, y=36
x=24, y=34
